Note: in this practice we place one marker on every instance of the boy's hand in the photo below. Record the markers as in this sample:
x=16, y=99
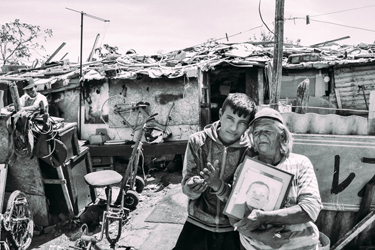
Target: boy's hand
x=196, y=184
x=211, y=175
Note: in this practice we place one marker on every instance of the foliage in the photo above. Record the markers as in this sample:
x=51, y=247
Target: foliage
x=264, y=37
x=269, y=37
x=17, y=39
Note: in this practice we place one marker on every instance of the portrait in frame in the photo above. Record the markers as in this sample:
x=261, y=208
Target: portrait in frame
x=259, y=186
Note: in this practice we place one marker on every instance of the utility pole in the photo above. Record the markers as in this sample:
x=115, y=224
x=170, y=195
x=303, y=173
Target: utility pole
x=277, y=54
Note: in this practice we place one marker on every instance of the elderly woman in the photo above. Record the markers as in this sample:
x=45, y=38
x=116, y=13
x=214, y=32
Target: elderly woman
x=290, y=227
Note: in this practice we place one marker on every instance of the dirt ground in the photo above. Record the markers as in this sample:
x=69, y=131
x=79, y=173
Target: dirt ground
x=64, y=233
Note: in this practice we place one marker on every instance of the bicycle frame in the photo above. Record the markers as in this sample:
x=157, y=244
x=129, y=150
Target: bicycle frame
x=131, y=169
x=140, y=110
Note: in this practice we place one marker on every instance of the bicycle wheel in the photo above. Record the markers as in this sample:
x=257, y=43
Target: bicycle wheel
x=18, y=221
x=139, y=184
x=115, y=112
x=131, y=199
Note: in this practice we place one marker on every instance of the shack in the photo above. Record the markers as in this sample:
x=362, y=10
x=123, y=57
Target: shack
x=187, y=87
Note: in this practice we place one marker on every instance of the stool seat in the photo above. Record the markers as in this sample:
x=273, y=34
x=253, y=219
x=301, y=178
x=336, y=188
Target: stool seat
x=103, y=178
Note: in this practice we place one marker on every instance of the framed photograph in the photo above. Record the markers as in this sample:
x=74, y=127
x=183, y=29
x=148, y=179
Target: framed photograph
x=259, y=186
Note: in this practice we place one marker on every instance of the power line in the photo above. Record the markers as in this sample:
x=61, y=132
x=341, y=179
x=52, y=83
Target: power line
x=343, y=11
x=106, y=26
x=261, y=18
x=343, y=25
x=239, y=33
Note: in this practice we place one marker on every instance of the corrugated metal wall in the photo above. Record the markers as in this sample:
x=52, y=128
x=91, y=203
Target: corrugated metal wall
x=331, y=124
x=348, y=80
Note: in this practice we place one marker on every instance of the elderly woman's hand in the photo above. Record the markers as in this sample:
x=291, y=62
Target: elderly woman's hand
x=211, y=175
x=251, y=222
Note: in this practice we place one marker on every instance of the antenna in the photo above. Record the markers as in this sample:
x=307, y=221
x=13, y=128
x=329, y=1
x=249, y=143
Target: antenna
x=94, y=17
x=80, y=61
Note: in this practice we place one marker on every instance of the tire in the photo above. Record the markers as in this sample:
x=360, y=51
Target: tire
x=131, y=199
x=18, y=221
x=139, y=184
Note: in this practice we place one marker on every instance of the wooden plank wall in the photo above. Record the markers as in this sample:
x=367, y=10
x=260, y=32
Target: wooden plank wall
x=348, y=82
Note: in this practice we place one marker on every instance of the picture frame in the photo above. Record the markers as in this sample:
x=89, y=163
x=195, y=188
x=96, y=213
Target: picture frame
x=258, y=185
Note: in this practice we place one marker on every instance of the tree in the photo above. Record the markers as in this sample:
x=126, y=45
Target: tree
x=17, y=39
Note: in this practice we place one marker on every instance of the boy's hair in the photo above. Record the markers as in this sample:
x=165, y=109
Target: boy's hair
x=241, y=105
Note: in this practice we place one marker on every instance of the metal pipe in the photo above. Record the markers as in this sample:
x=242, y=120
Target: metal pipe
x=80, y=81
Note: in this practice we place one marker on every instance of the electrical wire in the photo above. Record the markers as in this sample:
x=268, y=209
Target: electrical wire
x=343, y=11
x=261, y=18
x=342, y=25
x=105, y=29
x=239, y=33
x=294, y=18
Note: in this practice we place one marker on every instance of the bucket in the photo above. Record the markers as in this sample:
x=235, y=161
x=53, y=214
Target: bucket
x=325, y=242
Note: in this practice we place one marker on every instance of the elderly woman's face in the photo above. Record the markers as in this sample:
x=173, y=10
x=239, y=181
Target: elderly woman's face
x=266, y=138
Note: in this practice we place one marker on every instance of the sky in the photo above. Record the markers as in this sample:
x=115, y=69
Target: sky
x=152, y=26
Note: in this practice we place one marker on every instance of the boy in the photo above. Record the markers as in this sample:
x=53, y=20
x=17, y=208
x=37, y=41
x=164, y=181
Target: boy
x=222, y=143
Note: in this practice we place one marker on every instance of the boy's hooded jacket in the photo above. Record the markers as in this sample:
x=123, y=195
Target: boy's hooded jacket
x=206, y=209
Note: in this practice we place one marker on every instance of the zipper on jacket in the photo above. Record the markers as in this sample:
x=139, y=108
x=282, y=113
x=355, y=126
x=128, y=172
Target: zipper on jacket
x=221, y=177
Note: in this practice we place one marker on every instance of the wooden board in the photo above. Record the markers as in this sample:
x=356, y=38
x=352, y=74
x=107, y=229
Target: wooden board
x=149, y=150
x=79, y=191
x=3, y=179
x=343, y=166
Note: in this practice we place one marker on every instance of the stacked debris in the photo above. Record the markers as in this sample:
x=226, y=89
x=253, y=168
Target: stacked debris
x=187, y=62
